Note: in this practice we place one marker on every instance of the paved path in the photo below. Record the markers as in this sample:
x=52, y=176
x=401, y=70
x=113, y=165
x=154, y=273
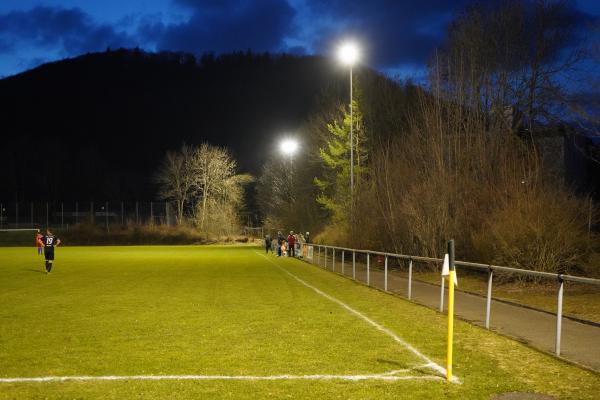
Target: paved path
x=580, y=342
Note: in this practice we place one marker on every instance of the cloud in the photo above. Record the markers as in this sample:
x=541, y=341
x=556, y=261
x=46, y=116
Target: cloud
x=393, y=32
x=69, y=30
x=396, y=35
x=226, y=25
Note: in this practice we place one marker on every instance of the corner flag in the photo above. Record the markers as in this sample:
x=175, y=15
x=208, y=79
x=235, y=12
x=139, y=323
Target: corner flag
x=446, y=269
x=449, y=271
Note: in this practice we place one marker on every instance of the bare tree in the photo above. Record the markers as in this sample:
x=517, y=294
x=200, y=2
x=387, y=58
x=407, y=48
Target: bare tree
x=218, y=188
x=211, y=167
x=513, y=55
x=174, y=178
x=205, y=175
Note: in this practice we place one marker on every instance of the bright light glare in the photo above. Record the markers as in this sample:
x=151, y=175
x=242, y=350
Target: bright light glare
x=288, y=147
x=348, y=53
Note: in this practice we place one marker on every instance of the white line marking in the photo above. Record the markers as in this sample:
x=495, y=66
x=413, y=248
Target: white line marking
x=388, y=376
x=430, y=364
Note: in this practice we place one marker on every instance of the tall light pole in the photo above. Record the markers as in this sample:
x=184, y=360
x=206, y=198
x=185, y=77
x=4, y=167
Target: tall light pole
x=348, y=55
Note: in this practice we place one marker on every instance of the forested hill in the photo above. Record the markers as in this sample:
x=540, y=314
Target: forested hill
x=97, y=126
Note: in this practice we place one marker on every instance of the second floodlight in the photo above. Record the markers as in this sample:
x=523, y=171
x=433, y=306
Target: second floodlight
x=348, y=53
x=289, y=147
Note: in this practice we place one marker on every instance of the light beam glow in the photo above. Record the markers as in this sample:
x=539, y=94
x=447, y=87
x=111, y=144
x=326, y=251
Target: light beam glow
x=348, y=53
x=289, y=147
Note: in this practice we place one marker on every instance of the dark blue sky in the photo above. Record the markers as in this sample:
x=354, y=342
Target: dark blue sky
x=397, y=35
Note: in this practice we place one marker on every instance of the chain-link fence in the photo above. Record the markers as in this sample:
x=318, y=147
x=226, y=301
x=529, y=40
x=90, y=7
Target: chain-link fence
x=63, y=214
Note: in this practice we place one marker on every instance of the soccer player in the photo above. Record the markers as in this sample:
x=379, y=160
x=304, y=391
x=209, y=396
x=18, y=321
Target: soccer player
x=39, y=243
x=50, y=242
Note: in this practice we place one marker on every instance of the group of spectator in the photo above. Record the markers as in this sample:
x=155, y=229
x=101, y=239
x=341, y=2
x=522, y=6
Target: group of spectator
x=290, y=246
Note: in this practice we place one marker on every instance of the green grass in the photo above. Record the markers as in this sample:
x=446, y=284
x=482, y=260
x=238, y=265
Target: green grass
x=226, y=310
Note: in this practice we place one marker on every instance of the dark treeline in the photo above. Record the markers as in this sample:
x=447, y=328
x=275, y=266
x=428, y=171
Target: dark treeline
x=97, y=126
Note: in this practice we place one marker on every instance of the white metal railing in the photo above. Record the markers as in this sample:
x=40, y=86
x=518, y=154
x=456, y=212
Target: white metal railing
x=490, y=268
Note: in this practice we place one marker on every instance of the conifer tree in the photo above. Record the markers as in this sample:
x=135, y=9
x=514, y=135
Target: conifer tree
x=334, y=186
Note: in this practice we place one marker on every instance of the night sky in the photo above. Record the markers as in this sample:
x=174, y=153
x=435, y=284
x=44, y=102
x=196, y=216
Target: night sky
x=397, y=35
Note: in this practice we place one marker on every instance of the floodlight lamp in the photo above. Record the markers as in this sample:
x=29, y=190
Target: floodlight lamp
x=288, y=147
x=348, y=53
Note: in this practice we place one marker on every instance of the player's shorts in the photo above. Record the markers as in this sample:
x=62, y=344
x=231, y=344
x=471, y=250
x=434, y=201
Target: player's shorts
x=49, y=253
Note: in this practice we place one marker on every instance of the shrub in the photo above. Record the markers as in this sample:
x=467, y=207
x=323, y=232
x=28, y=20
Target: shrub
x=541, y=230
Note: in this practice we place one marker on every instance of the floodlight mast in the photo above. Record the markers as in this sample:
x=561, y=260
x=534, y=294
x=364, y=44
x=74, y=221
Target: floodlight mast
x=348, y=54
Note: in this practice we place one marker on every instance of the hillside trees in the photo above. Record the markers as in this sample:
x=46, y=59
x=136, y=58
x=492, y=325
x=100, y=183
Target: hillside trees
x=138, y=94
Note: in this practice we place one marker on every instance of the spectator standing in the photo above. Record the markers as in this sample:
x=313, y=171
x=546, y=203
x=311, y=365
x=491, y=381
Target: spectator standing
x=291, y=239
x=280, y=241
x=268, y=243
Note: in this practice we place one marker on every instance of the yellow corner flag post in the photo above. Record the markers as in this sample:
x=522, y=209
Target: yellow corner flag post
x=451, y=272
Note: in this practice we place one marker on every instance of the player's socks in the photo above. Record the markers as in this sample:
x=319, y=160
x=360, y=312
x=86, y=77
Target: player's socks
x=49, y=266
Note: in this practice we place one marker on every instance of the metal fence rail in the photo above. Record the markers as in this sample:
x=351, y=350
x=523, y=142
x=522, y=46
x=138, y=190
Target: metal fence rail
x=322, y=252
x=35, y=214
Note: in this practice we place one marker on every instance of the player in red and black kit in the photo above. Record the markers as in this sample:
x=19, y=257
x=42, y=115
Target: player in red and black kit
x=39, y=243
x=50, y=242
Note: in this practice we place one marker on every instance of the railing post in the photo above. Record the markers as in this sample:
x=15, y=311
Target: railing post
x=354, y=265
x=333, y=259
x=368, y=270
x=442, y=296
x=385, y=274
x=343, y=262
x=325, y=266
x=488, y=303
x=410, y=279
x=559, y=314
x=319, y=255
